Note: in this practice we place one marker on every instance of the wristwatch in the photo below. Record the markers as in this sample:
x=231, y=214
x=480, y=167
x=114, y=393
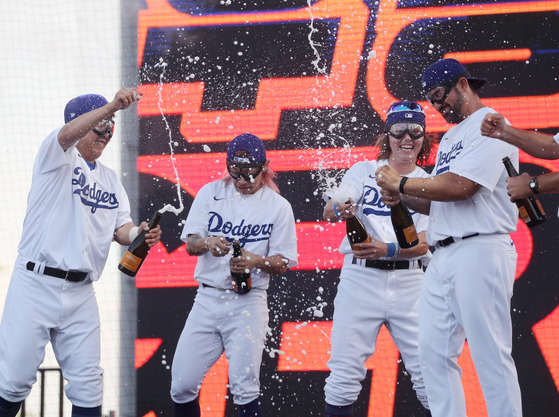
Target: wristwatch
x=533, y=184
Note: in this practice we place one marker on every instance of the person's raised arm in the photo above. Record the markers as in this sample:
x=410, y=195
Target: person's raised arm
x=533, y=143
x=80, y=126
x=443, y=187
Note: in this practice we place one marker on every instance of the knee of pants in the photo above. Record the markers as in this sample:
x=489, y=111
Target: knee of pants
x=244, y=389
x=341, y=391
x=16, y=390
x=245, y=397
x=244, y=381
x=86, y=391
x=343, y=385
x=184, y=390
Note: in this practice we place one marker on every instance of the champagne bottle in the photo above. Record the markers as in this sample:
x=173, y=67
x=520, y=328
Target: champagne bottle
x=138, y=250
x=242, y=282
x=356, y=232
x=403, y=226
x=529, y=208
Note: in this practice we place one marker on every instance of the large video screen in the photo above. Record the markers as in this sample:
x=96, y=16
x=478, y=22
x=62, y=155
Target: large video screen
x=314, y=80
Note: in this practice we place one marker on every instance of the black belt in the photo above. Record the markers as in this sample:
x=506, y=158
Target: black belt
x=450, y=240
x=72, y=276
x=388, y=265
x=221, y=289
x=215, y=288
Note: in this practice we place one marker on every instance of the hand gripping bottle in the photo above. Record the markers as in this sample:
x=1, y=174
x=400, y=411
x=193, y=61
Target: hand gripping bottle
x=138, y=250
x=529, y=208
x=242, y=283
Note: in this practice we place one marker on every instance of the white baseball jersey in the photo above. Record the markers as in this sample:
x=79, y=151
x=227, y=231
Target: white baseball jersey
x=223, y=321
x=69, y=199
x=360, y=185
x=263, y=222
x=368, y=298
x=72, y=213
x=463, y=151
x=468, y=286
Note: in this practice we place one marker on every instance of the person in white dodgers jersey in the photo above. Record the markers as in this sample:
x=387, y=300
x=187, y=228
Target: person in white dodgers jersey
x=379, y=282
x=76, y=207
x=244, y=206
x=468, y=286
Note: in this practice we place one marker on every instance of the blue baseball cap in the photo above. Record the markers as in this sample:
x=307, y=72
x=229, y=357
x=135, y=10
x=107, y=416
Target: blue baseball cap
x=405, y=112
x=445, y=72
x=82, y=105
x=249, y=143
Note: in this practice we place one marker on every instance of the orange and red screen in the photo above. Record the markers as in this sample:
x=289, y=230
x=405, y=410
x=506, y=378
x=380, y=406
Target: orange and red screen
x=319, y=118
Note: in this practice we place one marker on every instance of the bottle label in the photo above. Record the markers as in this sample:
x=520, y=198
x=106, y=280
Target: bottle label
x=410, y=233
x=524, y=214
x=540, y=207
x=130, y=261
x=241, y=285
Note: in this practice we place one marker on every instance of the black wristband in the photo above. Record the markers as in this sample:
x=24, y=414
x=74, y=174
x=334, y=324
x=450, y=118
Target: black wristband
x=402, y=182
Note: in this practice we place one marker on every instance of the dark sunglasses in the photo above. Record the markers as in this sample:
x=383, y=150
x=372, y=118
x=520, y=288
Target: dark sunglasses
x=104, y=127
x=399, y=130
x=439, y=94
